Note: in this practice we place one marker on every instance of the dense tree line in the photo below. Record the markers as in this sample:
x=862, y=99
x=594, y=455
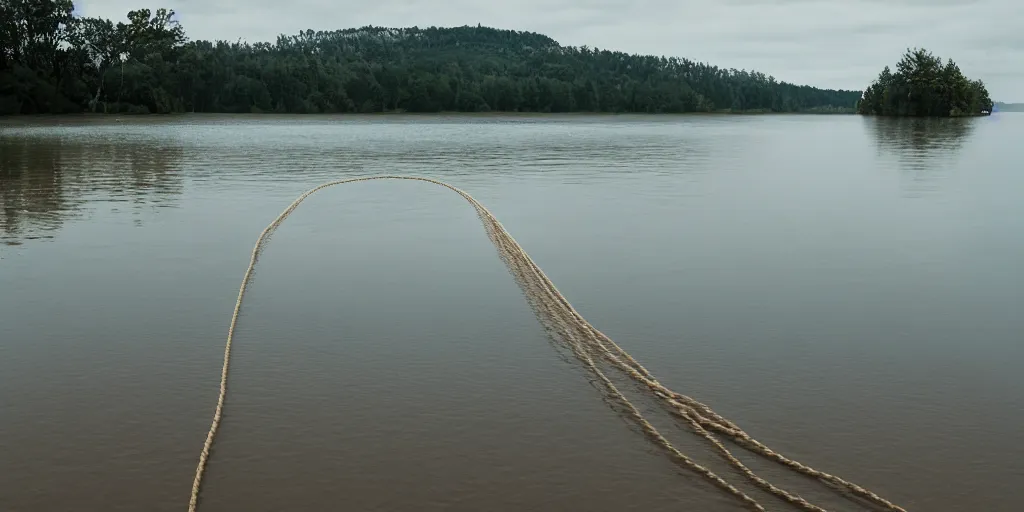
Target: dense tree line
x=924, y=86
x=53, y=61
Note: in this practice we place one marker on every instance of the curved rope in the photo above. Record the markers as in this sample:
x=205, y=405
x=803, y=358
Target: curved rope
x=587, y=344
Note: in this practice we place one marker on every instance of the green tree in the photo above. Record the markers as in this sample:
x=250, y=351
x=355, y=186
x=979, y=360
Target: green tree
x=146, y=64
x=924, y=86
x=36, y=61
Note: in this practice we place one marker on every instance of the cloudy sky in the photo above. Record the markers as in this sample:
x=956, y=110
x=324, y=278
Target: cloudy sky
x=826, y=43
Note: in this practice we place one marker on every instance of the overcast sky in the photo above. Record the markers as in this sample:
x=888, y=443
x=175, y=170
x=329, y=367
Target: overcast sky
x=825, y=43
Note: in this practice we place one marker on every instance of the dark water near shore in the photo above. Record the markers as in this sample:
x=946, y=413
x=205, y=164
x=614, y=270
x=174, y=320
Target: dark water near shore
x=848, y=290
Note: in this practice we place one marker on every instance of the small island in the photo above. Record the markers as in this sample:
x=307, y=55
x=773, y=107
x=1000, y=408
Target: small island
x=924, y=86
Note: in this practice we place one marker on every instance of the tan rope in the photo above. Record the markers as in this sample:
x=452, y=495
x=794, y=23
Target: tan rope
x=586, y=343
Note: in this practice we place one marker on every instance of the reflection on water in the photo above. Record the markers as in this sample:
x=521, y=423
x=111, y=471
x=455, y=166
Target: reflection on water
x=52, y=170
x=770, y=266
x=46, y=181
x=921, y=137
x=925, y=149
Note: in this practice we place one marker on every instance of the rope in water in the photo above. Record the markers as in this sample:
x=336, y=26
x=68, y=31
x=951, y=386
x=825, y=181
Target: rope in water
x=590, y=346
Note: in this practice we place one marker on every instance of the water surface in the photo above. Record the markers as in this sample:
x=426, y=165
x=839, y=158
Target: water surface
x=848, y=290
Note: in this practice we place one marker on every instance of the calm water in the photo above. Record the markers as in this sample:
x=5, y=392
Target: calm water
x=848, y=290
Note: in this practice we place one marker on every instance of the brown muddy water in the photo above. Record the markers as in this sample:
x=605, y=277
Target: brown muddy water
x=849, y=291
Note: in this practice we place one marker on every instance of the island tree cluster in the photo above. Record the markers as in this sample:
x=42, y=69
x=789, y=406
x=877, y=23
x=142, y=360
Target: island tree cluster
x=54, y=61
x=925, y=86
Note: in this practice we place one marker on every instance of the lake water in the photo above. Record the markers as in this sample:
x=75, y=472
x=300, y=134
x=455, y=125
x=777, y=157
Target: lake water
x=850, y=291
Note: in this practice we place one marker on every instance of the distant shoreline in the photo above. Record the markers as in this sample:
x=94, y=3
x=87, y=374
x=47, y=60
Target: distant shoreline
x=453, y=113
x=449, y=114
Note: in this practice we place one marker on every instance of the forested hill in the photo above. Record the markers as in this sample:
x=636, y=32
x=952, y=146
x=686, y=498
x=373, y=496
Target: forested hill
x=146, y=64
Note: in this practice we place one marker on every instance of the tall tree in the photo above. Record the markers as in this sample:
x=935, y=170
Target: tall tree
x=106, y=45
x=146, y=64
x=924, y=86
x=34, y=54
